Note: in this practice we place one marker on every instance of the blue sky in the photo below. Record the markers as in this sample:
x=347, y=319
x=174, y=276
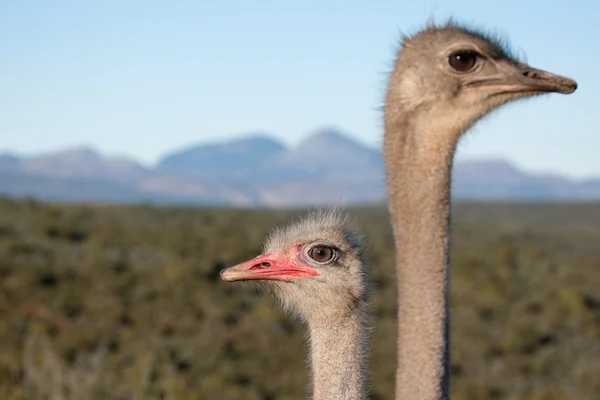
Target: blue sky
x=140, y=78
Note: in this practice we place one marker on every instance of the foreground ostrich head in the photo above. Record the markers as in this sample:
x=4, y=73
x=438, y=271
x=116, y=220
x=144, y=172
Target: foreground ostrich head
x=316, y=267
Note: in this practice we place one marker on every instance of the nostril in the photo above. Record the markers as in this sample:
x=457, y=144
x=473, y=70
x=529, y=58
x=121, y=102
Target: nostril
x=530, y=74
x=261, y=265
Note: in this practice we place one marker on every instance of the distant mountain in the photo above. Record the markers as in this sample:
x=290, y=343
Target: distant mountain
x=9, y=161
x=83, y=162
x=257, y=170
x=45, y=187
x=232, y=160
x=497, y=179
x=330, y=156
x=84, y=175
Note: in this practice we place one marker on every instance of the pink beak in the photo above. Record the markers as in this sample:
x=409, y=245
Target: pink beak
x=269, y=267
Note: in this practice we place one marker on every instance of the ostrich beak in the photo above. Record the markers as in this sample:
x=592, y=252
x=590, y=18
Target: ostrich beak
x=543, y=81
x=522, y=79
x=267, y=267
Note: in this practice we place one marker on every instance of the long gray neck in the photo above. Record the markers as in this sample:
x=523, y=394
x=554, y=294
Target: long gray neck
x=338, y=350
x=419, y=165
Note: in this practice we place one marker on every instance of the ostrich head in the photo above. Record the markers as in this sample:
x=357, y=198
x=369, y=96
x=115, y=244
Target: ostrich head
x=447, y=77
x=316, y=266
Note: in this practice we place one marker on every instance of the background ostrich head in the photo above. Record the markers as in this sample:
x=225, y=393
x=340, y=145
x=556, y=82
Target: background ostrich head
x=316, y=266
x=453, y=75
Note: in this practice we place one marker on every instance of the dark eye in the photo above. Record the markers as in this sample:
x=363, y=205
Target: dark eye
x=321, y=254
x=463, y=61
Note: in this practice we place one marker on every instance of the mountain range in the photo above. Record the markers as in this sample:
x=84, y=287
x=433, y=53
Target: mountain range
x=326, y=167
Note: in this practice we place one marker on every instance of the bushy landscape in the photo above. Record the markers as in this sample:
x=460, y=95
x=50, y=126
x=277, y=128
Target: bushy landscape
x=125, y=302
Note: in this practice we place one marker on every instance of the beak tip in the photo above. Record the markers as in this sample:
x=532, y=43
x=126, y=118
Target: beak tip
x=571, y=87
x=223, y=275
x=566, y=86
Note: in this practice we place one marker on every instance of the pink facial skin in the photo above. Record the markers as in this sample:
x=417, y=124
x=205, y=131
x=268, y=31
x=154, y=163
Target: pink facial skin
x=270, y=266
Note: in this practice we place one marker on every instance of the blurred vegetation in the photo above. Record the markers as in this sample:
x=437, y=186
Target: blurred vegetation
x=125, y=302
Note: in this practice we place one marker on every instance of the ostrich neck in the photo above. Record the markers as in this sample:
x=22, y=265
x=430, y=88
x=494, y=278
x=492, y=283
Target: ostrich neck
x=418, y=173
x=338, y=356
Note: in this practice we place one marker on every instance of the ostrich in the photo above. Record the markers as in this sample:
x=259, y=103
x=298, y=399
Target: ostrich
x=317, y=269
x=445, y=79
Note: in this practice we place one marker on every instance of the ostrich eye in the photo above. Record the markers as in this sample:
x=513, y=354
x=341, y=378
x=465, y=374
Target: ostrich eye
x=463, y=61
x=321, y=254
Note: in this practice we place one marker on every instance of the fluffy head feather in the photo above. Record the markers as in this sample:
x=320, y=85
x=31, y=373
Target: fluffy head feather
x=341, y=285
